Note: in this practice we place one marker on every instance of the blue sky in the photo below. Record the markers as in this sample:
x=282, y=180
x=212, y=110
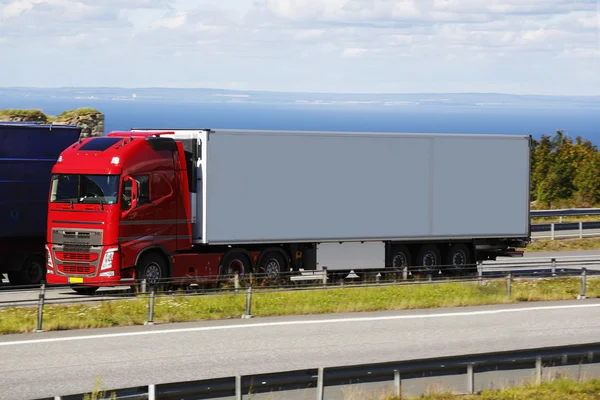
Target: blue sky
x=369, y=46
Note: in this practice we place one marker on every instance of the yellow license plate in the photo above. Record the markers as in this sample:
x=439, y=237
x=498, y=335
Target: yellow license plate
x=75, y=280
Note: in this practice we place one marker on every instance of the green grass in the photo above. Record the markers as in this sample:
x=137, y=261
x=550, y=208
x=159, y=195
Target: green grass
x=28, y=115
x=176, y=308
x=563, y=245
x=558, y=389
x=70, y=114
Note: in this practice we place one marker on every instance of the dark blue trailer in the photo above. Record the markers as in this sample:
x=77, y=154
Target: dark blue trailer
x=27, y=153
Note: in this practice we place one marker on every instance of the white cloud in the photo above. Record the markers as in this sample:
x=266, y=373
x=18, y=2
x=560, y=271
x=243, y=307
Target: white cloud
x=418, y=45
x=174, y=22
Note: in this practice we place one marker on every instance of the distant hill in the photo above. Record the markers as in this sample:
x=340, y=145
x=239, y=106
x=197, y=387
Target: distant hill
x=421, y=100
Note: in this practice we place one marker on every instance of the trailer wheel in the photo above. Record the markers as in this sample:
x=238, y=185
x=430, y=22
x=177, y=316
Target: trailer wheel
x=429, y=257
x=400, y=257
x=458, y=258
x=272, y=265
x=32, y=272
x=153, y=268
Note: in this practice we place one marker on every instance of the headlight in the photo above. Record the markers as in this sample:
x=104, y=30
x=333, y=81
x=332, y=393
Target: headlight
x=49, y=262
x=109, y=273
x=107, y=261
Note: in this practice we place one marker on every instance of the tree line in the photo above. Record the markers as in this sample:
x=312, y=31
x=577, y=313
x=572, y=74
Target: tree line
x=564, y=173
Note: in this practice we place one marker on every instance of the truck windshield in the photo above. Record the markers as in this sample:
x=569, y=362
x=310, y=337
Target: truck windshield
x=85, y=189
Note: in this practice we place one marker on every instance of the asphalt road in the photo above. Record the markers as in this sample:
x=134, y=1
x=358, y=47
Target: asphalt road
x=60, y=363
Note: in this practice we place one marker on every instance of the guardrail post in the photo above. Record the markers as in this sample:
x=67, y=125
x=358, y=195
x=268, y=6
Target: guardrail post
x=404, y=273
x=583, y=284
x=377, y=278
x=552, y=230
x=248, y=303
x=324, y=276
x=236, y=282
x=480, y=272
x=560, y=219
x=580, y=230
x=151, y=392
x=150, y=308
x=538, y=371
x=397, y=384
x=470, y=379
x=238, y=387
x=553, y=261
x=509, y=284
x=41, y=298
x=321, y=384
x=144, y=286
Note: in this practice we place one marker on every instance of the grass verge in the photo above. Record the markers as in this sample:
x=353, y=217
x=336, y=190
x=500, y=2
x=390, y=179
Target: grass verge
x=539, y=245
x=175, y=308
x=559, y=389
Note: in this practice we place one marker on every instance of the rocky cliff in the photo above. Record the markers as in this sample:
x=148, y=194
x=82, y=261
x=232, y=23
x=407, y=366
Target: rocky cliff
x=89, y=120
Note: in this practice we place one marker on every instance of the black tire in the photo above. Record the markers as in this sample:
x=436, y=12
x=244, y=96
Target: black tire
x=33, y=272
x=272, y=265
x=458, y=259
x=153, y=268
x=86, y=290
x=235, y=262
x=429, y=258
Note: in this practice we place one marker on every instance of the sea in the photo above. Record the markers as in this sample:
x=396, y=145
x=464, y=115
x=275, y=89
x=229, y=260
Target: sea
x=535, y=121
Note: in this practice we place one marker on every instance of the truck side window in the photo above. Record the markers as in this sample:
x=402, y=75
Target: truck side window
x=143, y=189
x=126, y=196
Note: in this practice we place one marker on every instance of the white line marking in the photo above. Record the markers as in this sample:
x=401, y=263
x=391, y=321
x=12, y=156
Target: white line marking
x=287, y=323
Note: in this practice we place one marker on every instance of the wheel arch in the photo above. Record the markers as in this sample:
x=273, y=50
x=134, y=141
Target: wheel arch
x=159, y=250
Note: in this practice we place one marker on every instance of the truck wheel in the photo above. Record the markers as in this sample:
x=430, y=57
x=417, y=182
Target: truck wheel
x=272, y=265
x=153, y=268
x=235, y=262
x=429, y=258
x=32, y=272
x=458, y=258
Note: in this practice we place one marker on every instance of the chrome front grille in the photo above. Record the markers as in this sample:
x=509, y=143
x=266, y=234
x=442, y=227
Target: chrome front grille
x=76, y=252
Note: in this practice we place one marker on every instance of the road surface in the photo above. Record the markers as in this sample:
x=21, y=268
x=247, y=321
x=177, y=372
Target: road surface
x=68, y=362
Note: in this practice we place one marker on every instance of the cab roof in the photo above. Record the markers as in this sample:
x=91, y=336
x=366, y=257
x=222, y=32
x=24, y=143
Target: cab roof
x=106, y=154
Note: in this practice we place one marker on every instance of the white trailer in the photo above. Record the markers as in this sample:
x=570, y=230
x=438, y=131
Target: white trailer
x=351, y=199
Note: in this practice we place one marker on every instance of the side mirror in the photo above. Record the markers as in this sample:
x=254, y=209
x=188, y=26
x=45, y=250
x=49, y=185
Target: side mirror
x=135, y=189
x=129, y=198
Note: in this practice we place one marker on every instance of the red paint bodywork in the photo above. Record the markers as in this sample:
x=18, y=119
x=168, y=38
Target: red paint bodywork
x=165, y=223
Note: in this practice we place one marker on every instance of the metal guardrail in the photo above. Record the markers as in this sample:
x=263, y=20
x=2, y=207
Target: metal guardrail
x=314, y=381
x=565, y=212
x=565, y=230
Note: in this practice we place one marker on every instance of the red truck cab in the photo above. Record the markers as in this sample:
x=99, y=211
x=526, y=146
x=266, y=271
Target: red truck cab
x=113, y=200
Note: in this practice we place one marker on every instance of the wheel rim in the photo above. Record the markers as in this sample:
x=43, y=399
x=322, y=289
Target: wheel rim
x=235, y=266
x=429, y=260
x=459, y=259
x=152, y=273
x=400, y=260
x=272, y=268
